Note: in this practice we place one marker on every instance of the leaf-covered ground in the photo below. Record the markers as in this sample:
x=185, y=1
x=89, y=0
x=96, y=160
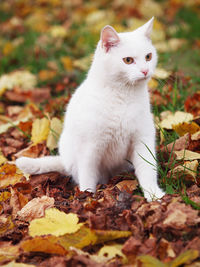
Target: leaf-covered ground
x=46, y=48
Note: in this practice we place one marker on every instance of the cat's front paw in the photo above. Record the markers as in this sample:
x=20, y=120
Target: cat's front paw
x=152, y=195
x=26, y=165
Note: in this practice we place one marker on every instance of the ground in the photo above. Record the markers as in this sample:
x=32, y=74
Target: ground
x=45, y=51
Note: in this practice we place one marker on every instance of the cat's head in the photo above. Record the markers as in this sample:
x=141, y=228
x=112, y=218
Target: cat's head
x=128, y=57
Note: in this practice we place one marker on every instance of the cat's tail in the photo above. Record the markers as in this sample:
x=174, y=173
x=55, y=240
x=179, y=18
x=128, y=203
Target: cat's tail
x=40, y=165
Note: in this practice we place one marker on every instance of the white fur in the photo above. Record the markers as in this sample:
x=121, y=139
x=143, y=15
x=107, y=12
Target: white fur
x=108, y=120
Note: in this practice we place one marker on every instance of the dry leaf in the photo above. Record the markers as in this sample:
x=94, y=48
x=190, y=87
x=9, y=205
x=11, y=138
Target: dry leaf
x=111, y=251
x=187, y=155
x=185, y=257
x=17, y=201
x=45, y=75
x=185, y=127
x=15, y=264
x=46, y=244
x=8, y=175
x=2, y=159
x=188, y=169
x=127, y=185
x=67, y=63
x=54, y=133
x=35, y=208
x=56, y=223
x=174, y=119
x=40, y=130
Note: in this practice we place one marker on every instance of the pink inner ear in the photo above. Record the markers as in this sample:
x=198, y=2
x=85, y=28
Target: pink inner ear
x=109, y=38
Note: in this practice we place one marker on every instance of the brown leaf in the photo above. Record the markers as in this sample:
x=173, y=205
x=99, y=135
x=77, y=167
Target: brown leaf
x=179, y=144
x=8, y=175
x=179, y=216
x=17, y=201
x=33, y=151
x=35, y=208
x=127, y=185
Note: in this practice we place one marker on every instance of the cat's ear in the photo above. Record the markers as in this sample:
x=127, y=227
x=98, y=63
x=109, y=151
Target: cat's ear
x=109, y=38
x=147, y=28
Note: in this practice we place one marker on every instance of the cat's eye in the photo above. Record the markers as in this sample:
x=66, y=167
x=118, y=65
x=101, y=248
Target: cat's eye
x=148, y=57
x=128, y=60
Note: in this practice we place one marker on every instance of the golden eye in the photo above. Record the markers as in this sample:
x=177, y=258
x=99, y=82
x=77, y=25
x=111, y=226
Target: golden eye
x=148, y=57
x=128, y=60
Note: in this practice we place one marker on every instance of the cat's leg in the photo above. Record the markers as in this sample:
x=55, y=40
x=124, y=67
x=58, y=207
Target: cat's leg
x=40, y=165
x=145, y=166
x=88, y=172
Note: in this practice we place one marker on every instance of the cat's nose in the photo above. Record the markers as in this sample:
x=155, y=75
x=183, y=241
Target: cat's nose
x=145, y=72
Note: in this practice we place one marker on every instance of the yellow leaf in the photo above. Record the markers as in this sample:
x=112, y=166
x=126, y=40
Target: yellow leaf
x=46, y=244
x=185, y=127
x=54, y=133
x=56, y=223
x=4, y=196
x=8, y=48
x=58, y=31
x=8, y=253
x=186, y=257
x=67, y=63
x=2, y=159
x=187, y=155
x=8, y=175
x=82, y=238
x=153, y=84
x=188, y=169
x=111, y=251
x=149, y=261
x=40, y=130
x=15, y=264
x=45, y=75
x=173, y=119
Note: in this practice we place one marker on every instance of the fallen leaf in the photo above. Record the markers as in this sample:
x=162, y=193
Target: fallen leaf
x=8, y=253
x=46, y=244
x=23, y=79
x=2, y=159
x=127, y=185
x=45, y=75
x=54, y=133
x=6, y=224
x=181, y=143
x=161, y=73
x=17, y=201
x=35, y=208
x=67, y=63
x=15, y=264
x=33, y=151
x=185, y=257
x=174, y=119
x=55, y=222
x=58, y=31
x=149, y=261
x=40, y=130
x=188, y=169
x=187, y=155
x=196, y=136
x=192, y=104
x=111, y=251
x=8, y=175
x=185, y=127
x=179, y=216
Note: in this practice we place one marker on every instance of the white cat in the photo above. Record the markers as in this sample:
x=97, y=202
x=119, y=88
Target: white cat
x=108, y=121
